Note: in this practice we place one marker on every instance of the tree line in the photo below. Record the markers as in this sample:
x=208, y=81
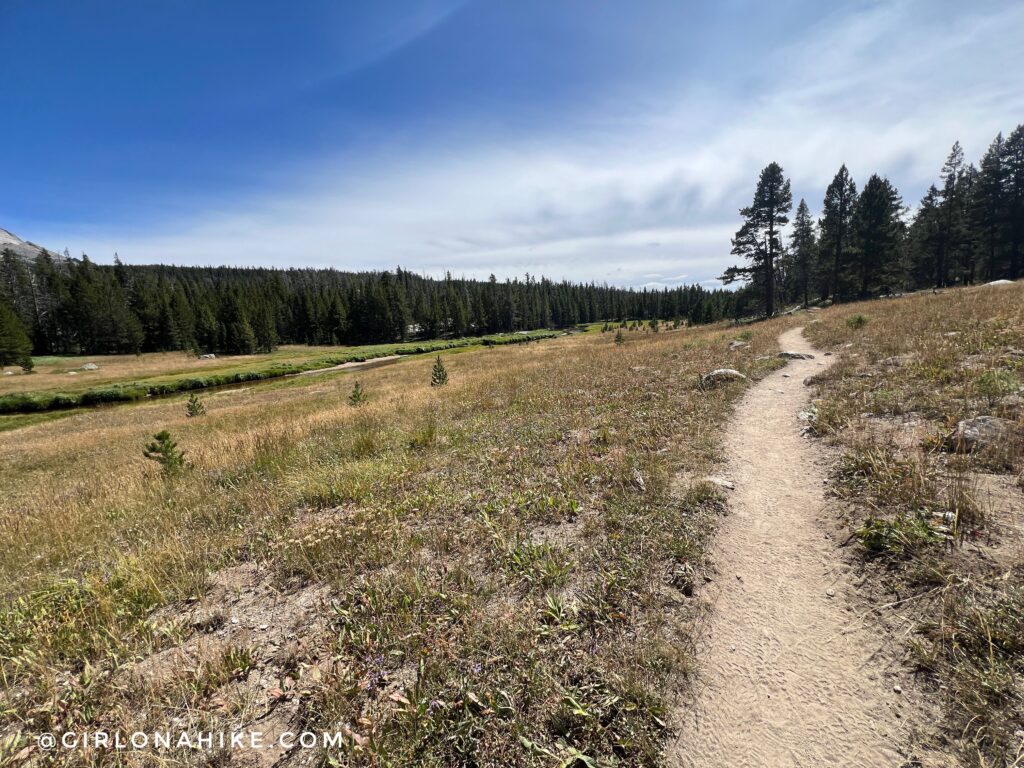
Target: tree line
x=968, y=228
x=59, y=305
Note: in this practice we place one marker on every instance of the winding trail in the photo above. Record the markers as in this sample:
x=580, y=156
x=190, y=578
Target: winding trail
x=786, y=675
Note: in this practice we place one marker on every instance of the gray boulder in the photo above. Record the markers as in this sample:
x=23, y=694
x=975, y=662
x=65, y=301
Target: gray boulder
x=90, y=367
x=737, y=344
x=788, y=355
x=208, y=356
x=720, y=375
x=983, y=433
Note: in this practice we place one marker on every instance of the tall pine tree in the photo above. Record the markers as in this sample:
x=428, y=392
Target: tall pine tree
x=759, y=239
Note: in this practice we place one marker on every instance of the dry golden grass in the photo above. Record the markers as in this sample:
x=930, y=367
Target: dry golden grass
x=494, y=572
x=947, y=551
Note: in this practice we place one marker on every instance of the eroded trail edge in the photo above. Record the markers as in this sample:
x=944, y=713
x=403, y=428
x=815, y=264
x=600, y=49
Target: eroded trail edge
x=788, y=674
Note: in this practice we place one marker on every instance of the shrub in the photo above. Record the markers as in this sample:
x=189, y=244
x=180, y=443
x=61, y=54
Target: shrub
x=438, y=375
x=164, y=451
x=619, y=338
x=194, y=407
x=856, y=321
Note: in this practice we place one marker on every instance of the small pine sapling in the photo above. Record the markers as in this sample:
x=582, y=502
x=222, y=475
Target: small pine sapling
x=438, y=376
x=164, y=451
x=358, y=395
x=619, y=338
x=195, y=406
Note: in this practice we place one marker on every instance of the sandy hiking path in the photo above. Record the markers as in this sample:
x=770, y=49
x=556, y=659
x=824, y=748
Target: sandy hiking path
x=788, y=674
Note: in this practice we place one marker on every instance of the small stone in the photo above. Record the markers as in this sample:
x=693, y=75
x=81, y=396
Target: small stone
x=790, y=355
x=786, y=376
x=830, y=592
x=264, y=626
x=897, y=689
x=721, y=375
x=234, y=619
x=721, y=482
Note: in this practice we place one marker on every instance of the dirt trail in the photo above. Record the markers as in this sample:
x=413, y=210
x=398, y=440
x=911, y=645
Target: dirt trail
x=786, y=669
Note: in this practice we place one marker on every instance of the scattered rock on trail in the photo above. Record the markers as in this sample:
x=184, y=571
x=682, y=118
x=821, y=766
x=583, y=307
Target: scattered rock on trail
x=983, y=432
x=789, y=355
x=721, y=482
x=720, y=375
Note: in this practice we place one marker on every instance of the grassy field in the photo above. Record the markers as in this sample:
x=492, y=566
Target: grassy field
x=128, y=378
x=494, y=572
x=505, y=570
x=941, y=532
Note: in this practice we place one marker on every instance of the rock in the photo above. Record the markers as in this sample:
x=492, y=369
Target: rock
x=637, y=368
x=737, y=344
x=897, y=689
x=828, y=354
x=983, y=432
x=951, y=334
x=72, y=373
x=892, y=362
x=8, y=373
x=1000, y=282
x=807, y=416
x=90, y=367
x=1012, y=355
x=721, y=482
x=830, y=592
x=789, y=355
x=720, y=375
x=786, y=376
x=208, y=356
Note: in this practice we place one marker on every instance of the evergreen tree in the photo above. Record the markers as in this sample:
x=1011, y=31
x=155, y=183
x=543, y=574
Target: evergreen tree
x=988, y=213
x=877, y=235
x=836, y=223
x=15, y=346
x=438, y=375
x=801, y=255
x=759, y=240
x=164, y=451
x=1013, y=161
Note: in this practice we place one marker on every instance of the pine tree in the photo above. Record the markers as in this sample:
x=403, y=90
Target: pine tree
x=619, y=338
x=438, y=375
x=164, y=451
x=801, y=255
x=759, y=239
x=1013, y=160
x=15, y=347
x=357, y=396
x=194, y=407
x=988, y=211
x=836, y=221
x=877, y=231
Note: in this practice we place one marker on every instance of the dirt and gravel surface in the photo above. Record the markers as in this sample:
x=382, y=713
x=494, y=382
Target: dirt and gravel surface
x=791, y=673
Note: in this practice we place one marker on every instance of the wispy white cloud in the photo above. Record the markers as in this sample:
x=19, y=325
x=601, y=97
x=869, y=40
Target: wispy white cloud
x=630, y=199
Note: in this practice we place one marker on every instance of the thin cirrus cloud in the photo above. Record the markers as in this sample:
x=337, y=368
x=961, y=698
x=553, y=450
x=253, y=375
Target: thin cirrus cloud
x=644, y=196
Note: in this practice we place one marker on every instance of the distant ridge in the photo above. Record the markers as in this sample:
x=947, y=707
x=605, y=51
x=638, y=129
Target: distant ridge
x=22, y=248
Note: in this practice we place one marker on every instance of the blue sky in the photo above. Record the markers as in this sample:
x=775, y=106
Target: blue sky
x=589, y=139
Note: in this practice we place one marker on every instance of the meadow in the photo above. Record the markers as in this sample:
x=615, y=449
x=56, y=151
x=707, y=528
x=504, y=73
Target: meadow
x=940, y=531
x=496, y=571
x=127, y=378
x=504, y=570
